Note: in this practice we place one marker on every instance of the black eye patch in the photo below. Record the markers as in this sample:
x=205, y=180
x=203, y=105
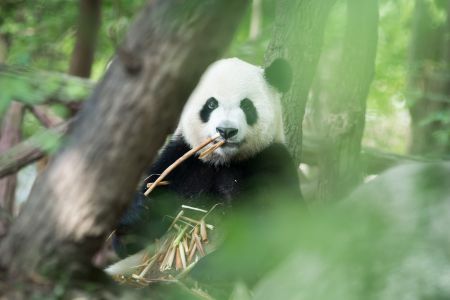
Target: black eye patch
x=251, y=115
x=210, y=105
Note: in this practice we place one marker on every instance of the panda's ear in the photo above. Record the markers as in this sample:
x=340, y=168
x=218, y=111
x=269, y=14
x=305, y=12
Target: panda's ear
x=279, y=75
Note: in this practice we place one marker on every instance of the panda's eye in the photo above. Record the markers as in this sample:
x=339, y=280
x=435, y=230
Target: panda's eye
x=212, y=103
x=249, y=109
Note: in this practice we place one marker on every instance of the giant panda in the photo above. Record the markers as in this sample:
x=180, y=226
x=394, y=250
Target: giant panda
x=241, y=102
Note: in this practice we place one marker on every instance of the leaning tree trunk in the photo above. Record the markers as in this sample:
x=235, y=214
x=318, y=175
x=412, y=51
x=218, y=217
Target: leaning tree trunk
x=297, y=36
x=77, y=201
x=340, y=164
x=429, y=80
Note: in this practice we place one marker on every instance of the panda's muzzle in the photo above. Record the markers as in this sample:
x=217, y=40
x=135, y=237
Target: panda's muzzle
x=227, y=132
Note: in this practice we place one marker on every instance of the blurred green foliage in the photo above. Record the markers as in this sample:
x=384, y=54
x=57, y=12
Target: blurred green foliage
x=41, y=35
x=42, y=32
x=388, y=240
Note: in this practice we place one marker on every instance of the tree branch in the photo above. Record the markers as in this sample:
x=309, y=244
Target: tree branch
x=30, y=150
x=45, y=115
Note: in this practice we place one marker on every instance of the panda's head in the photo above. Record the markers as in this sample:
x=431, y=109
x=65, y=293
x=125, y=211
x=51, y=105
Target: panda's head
x=239, y=101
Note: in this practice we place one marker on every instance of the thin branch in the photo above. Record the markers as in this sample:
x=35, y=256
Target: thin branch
x=45, y=115
x=29, y=151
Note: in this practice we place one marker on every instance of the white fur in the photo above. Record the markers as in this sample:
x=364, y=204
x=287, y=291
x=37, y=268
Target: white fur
x=230, y=81
x=127, y=266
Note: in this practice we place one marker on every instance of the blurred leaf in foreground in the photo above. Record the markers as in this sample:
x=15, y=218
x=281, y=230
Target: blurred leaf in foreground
x=388, y=241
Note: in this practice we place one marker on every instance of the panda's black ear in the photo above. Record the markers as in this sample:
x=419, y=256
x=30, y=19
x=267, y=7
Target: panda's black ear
x=279, y=75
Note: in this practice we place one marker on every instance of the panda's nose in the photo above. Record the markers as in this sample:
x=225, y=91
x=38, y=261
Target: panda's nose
x=227, y=132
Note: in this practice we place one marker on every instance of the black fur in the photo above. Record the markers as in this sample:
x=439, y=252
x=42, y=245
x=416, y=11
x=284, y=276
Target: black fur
x=210, y=105
x=251, y=115
x=203, y=185
x=279, y=75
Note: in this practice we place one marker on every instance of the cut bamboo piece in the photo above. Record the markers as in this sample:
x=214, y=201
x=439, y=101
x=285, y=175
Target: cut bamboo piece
x=182, y=255
x=203, y=232
x=161, y=183
x=180, y=249
x=178, y=264
x=199, y=245
x=192, y=253
x=211, y=149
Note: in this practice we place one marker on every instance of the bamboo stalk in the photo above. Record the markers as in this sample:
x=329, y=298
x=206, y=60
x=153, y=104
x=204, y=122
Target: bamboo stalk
x=192, y=244
x=185, y=245
x=178, y=264
x=182, y=255
x=209, y=226
x=194, y=208
x=162, y=183
x=148, y=266
x=211, y=149
x=170, y=259
x=199, y=245
x=176, y=219
x=203, y=232
x=192, y=252
x=179, y=161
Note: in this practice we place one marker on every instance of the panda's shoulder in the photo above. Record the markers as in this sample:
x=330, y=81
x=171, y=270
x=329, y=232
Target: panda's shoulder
x=169, y=153
x=275, y=157
x=277, y=151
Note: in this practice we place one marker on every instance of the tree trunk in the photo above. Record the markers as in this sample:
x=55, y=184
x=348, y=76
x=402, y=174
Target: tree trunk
x=3, y=48
x=77, y=201
x=256, y=20
x=297, y=36
x=340, y=165
x=429, y=80
x=10, y=133
x=88, y=25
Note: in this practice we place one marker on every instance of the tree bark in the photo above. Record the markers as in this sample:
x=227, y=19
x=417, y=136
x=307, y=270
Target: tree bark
x=297, y=36
x=77, y=201
x=340, y=165
x=10, y=134
x=88, y=25
x=429, y=80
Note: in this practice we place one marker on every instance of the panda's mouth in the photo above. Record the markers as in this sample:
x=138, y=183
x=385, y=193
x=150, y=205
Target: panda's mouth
x=231, y=145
